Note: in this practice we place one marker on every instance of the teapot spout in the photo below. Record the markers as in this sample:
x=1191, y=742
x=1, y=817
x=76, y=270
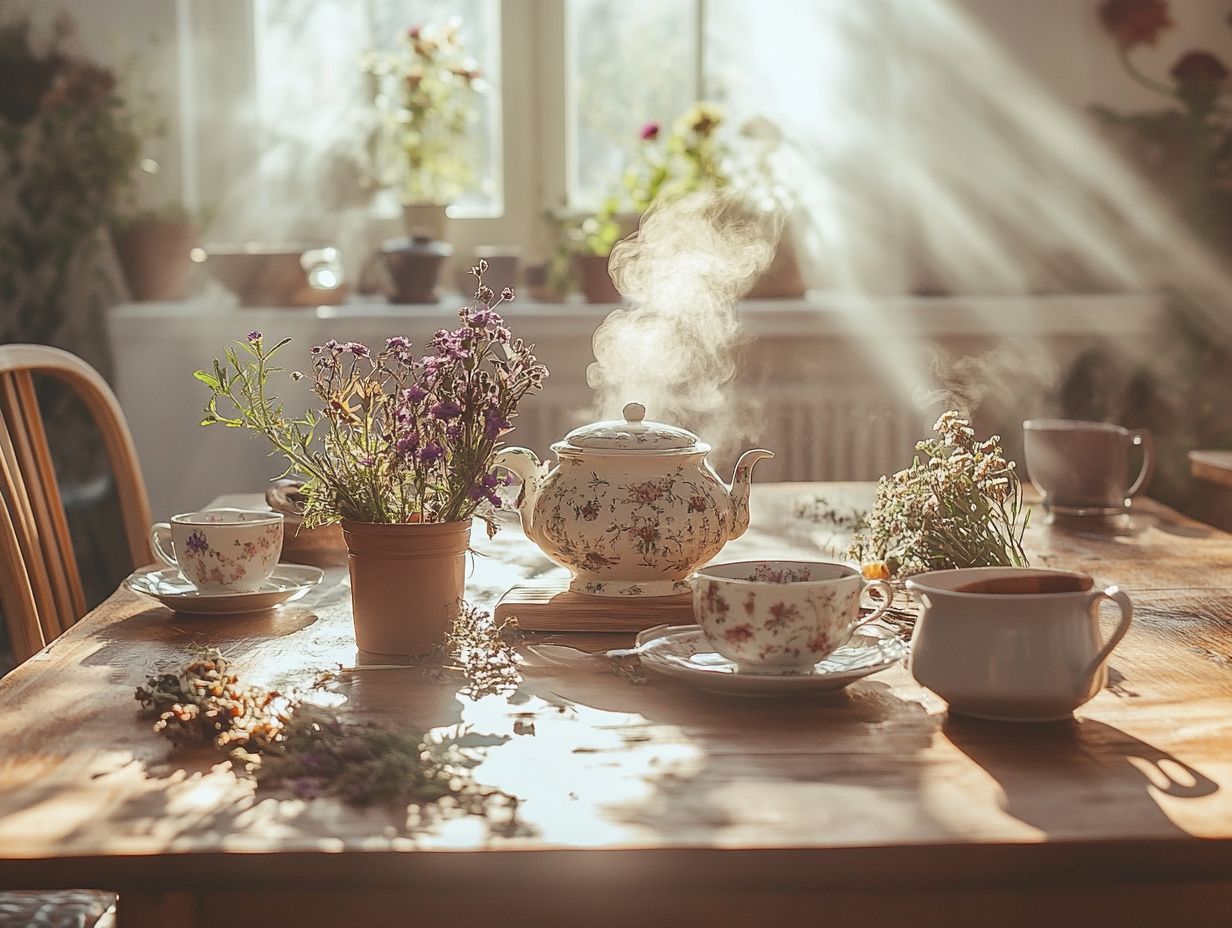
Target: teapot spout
x=740, y=486
x=526, y=466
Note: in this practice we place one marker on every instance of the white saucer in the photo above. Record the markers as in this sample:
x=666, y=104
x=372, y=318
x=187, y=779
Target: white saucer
x=682, y=651
x=166, y=584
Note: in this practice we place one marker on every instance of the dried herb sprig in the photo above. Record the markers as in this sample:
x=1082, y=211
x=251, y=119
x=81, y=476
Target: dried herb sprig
x=287, y=743
x=484, y=650
x=821, y=511
x=958, y=505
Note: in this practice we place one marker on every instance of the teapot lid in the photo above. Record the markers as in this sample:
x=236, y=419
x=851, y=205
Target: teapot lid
x=631, y=434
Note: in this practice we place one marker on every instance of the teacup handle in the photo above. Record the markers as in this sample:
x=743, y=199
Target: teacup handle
x=160, y=531
x=1142, y=438
x=887, y=592
x=1118, y=596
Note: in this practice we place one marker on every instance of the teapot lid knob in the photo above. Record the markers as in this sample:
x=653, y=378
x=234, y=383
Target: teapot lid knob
x=634, y=412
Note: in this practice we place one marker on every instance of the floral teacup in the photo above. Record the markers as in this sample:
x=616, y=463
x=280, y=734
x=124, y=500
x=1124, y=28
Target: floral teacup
x=781, y=616
x=221, y=550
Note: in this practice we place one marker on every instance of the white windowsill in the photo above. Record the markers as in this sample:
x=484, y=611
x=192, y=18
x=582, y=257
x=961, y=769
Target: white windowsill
x=818, y=315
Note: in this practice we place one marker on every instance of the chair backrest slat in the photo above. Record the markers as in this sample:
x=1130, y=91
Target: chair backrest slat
x=36, y=480
x=16, y=594
x=17, y=502
x=52, y=598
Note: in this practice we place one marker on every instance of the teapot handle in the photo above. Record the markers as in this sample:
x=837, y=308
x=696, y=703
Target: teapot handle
x=1118, y=596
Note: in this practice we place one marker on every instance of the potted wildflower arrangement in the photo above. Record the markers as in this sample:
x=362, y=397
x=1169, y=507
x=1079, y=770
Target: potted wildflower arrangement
x=401, y=452
x=687, y=158
x=425, y=91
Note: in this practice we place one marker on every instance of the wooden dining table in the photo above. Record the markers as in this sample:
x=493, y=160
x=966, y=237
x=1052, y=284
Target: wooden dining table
x=641, y=799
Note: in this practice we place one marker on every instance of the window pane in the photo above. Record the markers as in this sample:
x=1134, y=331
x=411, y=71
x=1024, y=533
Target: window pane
x=630, y=63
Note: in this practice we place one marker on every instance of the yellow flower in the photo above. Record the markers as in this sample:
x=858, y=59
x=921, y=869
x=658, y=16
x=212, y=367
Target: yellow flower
x=875, y=570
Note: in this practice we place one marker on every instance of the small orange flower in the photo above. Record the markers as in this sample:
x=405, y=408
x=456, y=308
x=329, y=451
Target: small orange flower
x=875, y=570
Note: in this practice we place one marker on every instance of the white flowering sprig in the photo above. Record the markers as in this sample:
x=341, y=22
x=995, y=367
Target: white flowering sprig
x=959, y=504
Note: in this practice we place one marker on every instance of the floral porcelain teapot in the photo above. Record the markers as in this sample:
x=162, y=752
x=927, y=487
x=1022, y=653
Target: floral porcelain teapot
x=633, y=508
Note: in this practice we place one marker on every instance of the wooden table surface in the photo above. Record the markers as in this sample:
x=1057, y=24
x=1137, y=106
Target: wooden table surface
x=1212, y=466
x=650, y=801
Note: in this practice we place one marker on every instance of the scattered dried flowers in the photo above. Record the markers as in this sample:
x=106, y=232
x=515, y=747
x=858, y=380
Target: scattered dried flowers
x=821, y=511
x=959, y=505
x=484, y=651
x=399, y=437
x=287, y=743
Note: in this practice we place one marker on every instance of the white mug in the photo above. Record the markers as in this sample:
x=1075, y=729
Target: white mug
x=781, y=616
x=1010, y=643
x=221, y=550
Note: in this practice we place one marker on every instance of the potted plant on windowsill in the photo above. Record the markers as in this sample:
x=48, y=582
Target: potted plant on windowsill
x=692, y=156
x=154, y=248
x=425, y=92
x=401, y=452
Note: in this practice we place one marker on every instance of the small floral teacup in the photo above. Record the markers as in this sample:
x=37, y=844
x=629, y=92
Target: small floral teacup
x=781, y=616
x=221, y=550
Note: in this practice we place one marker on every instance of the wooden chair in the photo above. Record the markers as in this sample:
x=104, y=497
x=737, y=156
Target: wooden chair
x=42, y=592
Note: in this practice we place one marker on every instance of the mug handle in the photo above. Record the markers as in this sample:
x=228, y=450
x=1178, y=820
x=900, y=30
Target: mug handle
x=1143, y=439
x=157, y=533
x=887, y=591
x=1118, y=596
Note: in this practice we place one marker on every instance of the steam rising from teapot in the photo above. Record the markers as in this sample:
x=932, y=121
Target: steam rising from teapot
x=672, y=346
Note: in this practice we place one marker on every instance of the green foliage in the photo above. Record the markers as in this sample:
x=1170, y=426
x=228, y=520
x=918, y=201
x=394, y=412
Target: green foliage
x=689, y=158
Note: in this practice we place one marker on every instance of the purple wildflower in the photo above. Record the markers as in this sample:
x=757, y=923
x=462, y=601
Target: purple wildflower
x=414, y=394
x=398, y=343
x=494, y=423
x=306, y=787
x=254, y=336
x=197, y=544
x=333, y=345
x=408, y=444
x=507, y=294
x=445, y=409
x=431, y=453
x=360, y=351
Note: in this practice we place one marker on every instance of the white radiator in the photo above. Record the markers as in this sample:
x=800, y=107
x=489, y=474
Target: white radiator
x=817, y=431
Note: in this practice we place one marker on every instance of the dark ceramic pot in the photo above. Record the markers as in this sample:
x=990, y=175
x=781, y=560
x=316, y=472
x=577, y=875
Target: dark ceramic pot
x=414, y=266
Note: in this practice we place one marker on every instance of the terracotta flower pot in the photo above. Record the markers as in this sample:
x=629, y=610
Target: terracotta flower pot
x=594, y=280
x=155, y=256
x=406, y=581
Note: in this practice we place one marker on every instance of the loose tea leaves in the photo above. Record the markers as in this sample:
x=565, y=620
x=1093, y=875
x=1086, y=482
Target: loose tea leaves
x=285, y=742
